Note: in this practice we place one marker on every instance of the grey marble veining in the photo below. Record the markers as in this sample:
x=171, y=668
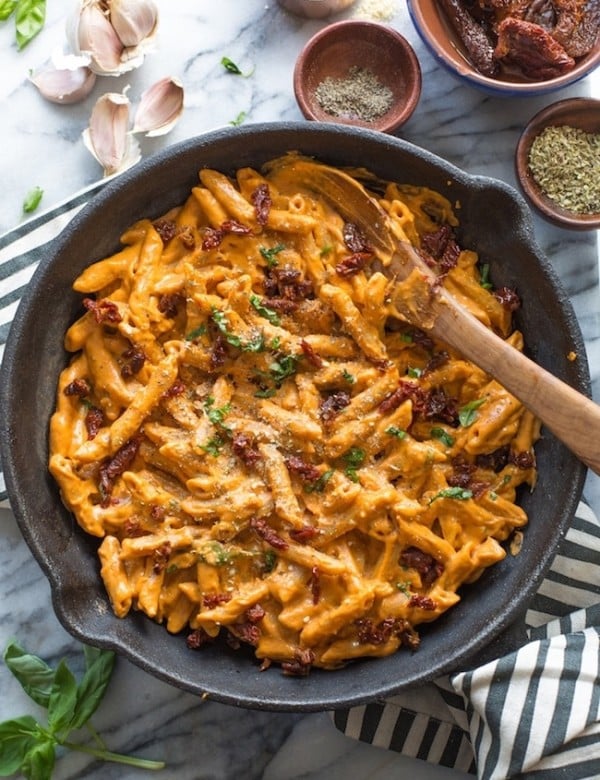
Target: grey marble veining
x=41, y=145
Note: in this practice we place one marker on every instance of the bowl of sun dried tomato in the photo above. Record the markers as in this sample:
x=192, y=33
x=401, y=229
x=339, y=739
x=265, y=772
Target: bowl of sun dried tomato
x=511, y=49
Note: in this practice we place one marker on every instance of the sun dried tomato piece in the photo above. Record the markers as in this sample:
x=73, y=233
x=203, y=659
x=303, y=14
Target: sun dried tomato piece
x=312, y=356
x=353, y=264
x=286, y=283
x=169, y=303
x=78, y=387
x=304, y=534
x=104, y=311
x=166, y=229
x=135, y=359
x=268, y=534
x=423, y=563
x=532, y=49
x=160, y=557
x=212, y=600
x=355, y=239
x=332, y=405
x=422, y=602
x=522, y=460
x=370, y=633
x=115, y=466
x=177, y=388
x=94, y=420
x=508, y=298
x=244, y=446
x=315, y=584
x=197, y=639
x=301, y=664
x=302, y=468
x=255, y=613
x=261, y=200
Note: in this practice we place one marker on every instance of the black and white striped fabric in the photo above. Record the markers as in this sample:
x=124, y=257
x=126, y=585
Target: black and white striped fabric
x=21, y=250
x=534, y=713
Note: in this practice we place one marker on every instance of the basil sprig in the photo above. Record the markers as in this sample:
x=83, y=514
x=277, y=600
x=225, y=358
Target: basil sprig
x=30, y=17
x=28, y=746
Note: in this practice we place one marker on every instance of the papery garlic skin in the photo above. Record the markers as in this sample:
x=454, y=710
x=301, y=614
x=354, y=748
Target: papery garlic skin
x=107, y=136
x=90, y=31
x=159, y=108
x=134, y=21
x=64, y=85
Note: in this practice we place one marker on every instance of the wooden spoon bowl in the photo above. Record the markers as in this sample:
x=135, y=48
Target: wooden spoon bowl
x=421, y=300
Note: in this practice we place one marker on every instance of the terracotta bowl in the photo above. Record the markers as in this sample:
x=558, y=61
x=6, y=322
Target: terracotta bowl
x=444, y=44
x=339, y=47
x=582, y=113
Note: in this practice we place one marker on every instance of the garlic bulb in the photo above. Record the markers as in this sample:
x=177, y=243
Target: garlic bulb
x=64, y=85
x=95, y=27
x=159, y=108
x=108, y=137
x=134, y=21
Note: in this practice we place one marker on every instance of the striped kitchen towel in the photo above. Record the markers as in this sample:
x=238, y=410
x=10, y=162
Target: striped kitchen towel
x=534, y=713
x=21, y=250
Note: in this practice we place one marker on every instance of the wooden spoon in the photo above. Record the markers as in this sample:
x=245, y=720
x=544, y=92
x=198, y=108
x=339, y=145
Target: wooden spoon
x=571, y=416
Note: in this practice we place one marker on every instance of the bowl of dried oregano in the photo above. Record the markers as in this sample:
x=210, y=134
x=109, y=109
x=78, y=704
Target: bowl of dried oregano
x=557, y=162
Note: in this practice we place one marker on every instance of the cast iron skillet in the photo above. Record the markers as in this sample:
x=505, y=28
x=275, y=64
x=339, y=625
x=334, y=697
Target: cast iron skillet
x=494, y=221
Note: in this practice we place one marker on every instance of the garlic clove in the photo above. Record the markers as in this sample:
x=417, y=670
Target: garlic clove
x=159, y=108
x=107, y=136
x=134, y=21
x=64, y=85
x=89, y=31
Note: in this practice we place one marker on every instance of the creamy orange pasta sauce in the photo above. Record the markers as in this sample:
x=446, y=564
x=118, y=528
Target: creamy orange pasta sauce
x=265, y=450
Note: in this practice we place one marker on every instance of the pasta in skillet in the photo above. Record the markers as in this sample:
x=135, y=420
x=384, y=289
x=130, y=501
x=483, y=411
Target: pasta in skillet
x=264, y=449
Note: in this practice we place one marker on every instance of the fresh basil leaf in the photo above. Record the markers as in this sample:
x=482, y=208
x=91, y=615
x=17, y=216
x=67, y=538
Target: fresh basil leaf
x=442, y=435
x=63, y=699
x=318, y=486
x=461, y=494
x=393, y=430
x=230, y=66
x=33, y=200
x=264, y=311
x=6, y=9
x=91, y=689
x=34, y=675
x=270, y=254
x=17, y=737
x=38, y=764
x=240, y=119
x=354, y=459
x=468, y=413
x=30, y=16
x=484, y=278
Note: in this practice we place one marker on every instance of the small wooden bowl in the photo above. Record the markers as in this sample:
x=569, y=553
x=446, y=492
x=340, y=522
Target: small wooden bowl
x=337, y=48
x=582, y=113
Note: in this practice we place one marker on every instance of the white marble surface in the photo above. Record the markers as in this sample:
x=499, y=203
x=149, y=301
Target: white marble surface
x=41, y=146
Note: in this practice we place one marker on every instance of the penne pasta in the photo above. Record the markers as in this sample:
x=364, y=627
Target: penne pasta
x=265, y=449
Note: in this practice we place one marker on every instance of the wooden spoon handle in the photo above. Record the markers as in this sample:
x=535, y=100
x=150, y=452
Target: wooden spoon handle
x=573, y=418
